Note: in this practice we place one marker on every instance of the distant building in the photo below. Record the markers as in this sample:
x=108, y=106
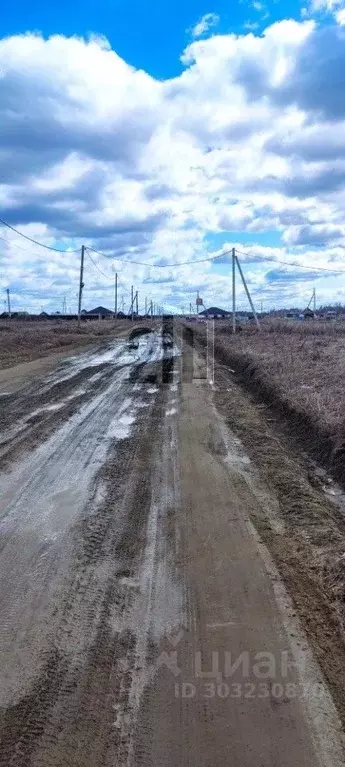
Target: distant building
x=100, y=311
x=293, y=315
x=214, y=313
x=308, y=314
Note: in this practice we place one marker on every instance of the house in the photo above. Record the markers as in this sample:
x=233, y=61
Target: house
x=214, y=313
x=308, y=314
x=292, y=315
x=99, y=311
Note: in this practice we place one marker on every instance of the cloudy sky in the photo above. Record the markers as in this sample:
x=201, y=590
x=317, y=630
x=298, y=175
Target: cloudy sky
x=161, y=135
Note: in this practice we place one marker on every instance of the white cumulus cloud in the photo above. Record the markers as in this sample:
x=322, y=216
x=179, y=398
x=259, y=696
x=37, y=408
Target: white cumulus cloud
x=207, y=22
x=248, y=139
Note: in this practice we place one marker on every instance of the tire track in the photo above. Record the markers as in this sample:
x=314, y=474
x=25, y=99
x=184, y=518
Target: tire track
x=76, y=712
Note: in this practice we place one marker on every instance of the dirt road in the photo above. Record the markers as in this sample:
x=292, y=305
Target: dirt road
x=142, y=622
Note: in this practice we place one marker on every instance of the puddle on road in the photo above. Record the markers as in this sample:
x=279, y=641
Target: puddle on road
x=120, y=427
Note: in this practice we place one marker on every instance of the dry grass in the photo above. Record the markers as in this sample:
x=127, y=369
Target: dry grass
x=306, y=363
x=299, y=369
x=23, y=341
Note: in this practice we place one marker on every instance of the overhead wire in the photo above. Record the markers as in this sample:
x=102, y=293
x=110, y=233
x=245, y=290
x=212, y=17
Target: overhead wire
x=107, y=277
x=156, y=266
x=290, y=263
x=161, y=266
x=120, y=284
x=36, y=242
x=221, y=255
x=175, y=264
x=14, y=245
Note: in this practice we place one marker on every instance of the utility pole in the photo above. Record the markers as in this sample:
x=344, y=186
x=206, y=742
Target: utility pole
x=137, y=303
x=151, y=310
x=115, y=307
x=132, y=299
x=8, y=303
x=197, y=302
x=233, y=290
x=81, y=284
x=247, y=292
x=312, y=300
x=131, y=308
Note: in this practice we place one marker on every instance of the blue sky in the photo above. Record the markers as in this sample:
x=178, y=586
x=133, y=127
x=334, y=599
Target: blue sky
x=164, y=134
x=146, y=33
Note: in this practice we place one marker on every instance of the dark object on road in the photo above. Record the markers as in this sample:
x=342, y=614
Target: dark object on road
x=135, y=334
x=167, y=341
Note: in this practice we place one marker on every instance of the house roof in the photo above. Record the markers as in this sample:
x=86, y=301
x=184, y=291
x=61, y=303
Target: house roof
x=99, y=310
x=213, y=310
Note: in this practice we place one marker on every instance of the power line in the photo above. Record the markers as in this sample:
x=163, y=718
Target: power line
x=106, y=275
x=41, y=244
x=221, y=255
x=290, y=263
x=97, y=267
x=14, y=245
x=157, y=266
x=161, y=266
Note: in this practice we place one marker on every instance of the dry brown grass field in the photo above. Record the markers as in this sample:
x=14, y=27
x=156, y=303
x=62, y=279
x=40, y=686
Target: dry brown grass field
x=23, y=341
x=299, y=368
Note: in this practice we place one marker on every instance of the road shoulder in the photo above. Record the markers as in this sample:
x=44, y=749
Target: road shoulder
x=242, y=607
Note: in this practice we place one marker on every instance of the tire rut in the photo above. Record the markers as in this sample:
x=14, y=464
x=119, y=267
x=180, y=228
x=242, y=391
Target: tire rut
x=76, y=712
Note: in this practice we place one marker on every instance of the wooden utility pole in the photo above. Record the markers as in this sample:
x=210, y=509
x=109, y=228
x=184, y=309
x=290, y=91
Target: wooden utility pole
x=233, y=290
x=137, y=303
x=81, y=284
x=8, y=303
x=132, y=299
x=247, y=292
x=115, y=307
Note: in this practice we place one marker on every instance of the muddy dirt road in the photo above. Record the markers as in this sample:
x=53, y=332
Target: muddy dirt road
x=142, y=622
